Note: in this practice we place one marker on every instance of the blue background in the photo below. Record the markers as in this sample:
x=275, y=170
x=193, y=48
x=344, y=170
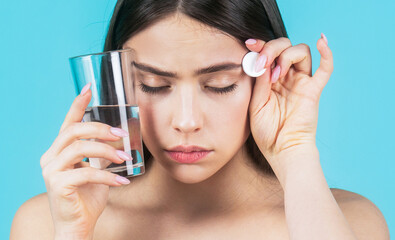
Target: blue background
x=355, y=133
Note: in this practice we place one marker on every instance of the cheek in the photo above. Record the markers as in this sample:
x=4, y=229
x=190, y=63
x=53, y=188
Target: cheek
x=228, y=122
x=232, y=115
x=148, y=111
x=234, y=108
x=153, y=110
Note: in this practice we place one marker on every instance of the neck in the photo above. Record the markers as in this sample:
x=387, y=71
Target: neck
x=235, y=189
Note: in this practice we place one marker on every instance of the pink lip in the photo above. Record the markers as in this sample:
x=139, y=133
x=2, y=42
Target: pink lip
x=185, y=148
x=187, y=157
x=187, y=154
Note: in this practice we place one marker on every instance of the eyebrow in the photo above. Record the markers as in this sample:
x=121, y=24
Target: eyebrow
x=227, y=66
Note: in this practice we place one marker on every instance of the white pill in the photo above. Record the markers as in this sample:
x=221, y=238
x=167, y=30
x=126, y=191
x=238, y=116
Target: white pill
x=248, y=64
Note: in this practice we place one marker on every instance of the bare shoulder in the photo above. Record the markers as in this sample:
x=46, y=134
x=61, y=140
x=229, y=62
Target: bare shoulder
x=33, y=220
x=363, y=215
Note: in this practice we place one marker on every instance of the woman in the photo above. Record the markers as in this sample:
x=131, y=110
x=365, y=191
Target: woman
x=260, y=178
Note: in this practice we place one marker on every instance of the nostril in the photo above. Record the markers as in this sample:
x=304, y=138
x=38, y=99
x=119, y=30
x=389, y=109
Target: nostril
x=187, y=127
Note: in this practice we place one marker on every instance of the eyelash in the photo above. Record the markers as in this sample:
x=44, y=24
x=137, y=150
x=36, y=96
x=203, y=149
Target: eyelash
x=155, y=90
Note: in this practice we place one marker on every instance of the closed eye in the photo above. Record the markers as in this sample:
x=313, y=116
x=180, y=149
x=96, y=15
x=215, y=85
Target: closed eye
x=151, y=90
x=156, y=90
x=223, y=90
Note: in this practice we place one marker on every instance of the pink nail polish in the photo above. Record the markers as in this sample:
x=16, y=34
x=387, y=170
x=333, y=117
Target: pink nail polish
x=122, y=180
x=260, y=63
x=119, y=132
x=250, y=41
x=324, y=37
x=85, y=89
x=276, y=74
x=124, y=155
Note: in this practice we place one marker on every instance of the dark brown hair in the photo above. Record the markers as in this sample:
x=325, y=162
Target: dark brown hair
x=242, y=19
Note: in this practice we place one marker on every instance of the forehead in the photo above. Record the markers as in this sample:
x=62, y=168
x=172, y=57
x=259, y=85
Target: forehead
x=180, y=43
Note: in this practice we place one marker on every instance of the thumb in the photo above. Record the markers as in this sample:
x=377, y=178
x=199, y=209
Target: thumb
x=77, y=109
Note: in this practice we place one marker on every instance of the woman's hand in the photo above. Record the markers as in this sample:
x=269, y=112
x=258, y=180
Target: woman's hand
x=284, y=105
x=78, y=193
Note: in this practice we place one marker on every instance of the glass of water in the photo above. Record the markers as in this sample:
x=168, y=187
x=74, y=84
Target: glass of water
x=113, y=102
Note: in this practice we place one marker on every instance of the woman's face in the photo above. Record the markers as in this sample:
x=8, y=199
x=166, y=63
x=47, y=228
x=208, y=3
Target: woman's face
x=201, y=97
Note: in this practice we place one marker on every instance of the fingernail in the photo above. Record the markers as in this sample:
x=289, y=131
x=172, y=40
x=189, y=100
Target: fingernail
x=250, y=41
x=85, y=89
x=122, y=180
x=260, y=63
x=124, y=155
x=324, y=37
x=276, y=73
x=119, y=132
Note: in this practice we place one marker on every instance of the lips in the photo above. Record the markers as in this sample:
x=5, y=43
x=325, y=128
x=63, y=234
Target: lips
x=187, y=154
x=185, y=148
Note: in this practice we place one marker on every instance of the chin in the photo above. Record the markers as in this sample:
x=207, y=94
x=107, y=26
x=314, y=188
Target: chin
x=190, y=174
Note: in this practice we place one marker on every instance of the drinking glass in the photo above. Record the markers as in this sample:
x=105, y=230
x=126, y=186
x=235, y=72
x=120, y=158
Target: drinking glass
x=113, y=102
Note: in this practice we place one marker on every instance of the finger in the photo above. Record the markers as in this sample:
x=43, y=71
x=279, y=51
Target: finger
x=270, y=51
x=261, y=92
x=78, y=165
x=77, y=109
x=86, y=130
x=299, y=56
x=324, y=71
x=77, y=177
x=255, y=45
x=82, y=164
x=79, y=150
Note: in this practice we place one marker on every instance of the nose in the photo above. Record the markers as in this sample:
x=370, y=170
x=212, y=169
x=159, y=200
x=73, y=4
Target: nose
x=187, y=116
